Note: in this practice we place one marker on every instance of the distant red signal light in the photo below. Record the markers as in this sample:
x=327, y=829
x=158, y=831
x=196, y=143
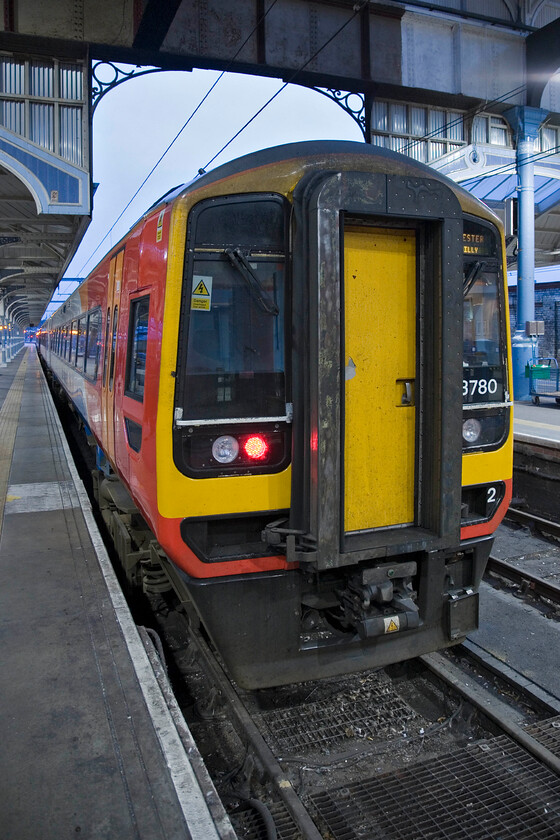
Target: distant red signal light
x=256, y=447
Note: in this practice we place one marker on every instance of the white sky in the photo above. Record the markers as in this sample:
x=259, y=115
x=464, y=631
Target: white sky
x=134, y=124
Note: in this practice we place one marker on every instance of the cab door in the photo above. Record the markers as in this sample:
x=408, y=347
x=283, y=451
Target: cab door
x=380, y=373
x=111, y=336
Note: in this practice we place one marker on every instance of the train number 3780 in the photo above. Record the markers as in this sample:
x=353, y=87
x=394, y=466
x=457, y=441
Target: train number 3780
x=482, y=387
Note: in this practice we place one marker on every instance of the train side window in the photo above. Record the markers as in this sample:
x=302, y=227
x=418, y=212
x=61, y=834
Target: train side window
x=137, y=346
x=106, y=346
x=73, y=341
x=93, y=344
x=81, y=344
x=113, y=347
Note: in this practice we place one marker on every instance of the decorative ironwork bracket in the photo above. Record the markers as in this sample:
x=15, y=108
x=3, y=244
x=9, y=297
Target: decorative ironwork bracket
x=106, y=76
x=357, y=105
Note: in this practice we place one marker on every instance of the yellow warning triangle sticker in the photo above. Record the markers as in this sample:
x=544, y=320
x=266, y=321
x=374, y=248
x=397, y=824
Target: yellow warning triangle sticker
x=391, y=627
x=201, y=289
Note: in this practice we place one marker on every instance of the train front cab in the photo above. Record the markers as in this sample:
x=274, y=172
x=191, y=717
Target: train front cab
x=366, y=561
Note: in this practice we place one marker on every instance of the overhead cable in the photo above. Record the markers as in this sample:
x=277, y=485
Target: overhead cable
x=183, y=127
x=357, y=9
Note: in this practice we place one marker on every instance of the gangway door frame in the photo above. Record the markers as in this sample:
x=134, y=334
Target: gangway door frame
x=322, y=203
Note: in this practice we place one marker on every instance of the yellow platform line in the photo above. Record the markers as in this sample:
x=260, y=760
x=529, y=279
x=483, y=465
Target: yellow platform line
x=9, y=418
x=553, y=427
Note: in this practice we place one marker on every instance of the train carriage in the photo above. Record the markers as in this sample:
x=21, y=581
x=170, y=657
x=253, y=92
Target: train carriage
x=270, y=363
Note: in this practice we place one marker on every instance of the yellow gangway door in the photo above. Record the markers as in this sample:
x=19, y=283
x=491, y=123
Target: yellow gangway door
x=380, y=367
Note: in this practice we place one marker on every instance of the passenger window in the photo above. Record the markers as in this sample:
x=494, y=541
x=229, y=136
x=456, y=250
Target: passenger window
x=73, y=341
x=106, y=353
x=113, y=347
x=138, y=342
x=81, y=346
x=93, y=343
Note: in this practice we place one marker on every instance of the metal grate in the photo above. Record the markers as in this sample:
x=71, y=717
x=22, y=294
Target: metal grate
x=484, y=792
x=547, y=733
x=347, y=715
x=249, y=825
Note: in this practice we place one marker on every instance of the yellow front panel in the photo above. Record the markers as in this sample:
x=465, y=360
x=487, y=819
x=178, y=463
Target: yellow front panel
x=380, y=360
x=179, y=495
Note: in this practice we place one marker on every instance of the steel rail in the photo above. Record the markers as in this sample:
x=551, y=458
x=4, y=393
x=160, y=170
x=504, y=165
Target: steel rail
x=534, y=695
x=248, y=730
x=523, y=517
x=525, y=579
x=494, y=709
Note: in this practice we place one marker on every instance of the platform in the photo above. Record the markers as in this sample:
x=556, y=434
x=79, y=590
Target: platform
x=93, y=745
x=532, y=423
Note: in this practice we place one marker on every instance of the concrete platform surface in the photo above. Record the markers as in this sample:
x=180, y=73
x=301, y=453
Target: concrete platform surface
x=91, y=745
x=537, y=421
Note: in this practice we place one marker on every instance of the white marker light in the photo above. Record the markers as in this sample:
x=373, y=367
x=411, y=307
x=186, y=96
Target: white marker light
x=471, y=430
x=225, y=449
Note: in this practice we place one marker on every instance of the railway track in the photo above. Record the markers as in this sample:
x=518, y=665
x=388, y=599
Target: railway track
x=531, y=520
x=517, y=573
x=320, y=760
x=527, y=582
x=453, y=746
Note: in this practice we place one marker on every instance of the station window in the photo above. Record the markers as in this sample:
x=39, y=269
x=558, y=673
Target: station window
x=43, y=100
x=548, y=139
x=490, y=129
x=427, y=134
x=138, y=343
x=424, y=134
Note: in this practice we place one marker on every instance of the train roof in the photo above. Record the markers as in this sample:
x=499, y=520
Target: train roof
x=316, y=153
x=308, y=149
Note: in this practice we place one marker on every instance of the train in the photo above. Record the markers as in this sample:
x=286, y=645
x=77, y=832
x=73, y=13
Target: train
x=269, y=367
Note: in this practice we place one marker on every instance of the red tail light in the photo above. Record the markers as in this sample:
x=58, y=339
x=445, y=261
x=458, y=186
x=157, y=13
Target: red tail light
x=256, y=447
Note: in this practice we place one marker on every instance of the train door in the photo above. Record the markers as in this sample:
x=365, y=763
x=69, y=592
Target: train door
x=111, y=334
x=377, y=395
x=380, y=373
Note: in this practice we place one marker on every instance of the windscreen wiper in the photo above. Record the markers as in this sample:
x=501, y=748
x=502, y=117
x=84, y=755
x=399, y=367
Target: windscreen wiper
x=472, y=277
x=239, y=261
